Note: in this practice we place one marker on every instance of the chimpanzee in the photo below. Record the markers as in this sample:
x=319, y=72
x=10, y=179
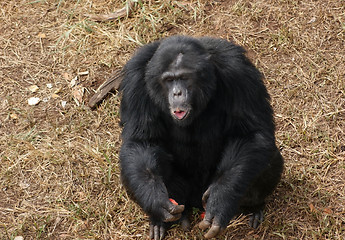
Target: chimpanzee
x=197, y=128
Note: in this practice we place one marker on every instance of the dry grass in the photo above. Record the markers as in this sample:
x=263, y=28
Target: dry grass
x=59, y=173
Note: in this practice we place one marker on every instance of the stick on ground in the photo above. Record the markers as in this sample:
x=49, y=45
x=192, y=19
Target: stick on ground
x=123, y=12
x=108, y=86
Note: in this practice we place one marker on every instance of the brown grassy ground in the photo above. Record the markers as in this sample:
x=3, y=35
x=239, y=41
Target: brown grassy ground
x=59, y=173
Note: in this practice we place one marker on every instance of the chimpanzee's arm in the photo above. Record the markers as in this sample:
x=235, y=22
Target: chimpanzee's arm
x=143, y=166
x=243, y=161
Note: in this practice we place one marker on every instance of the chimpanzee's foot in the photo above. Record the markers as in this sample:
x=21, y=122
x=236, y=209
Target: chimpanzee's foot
x=185, y=223
x=256, y=218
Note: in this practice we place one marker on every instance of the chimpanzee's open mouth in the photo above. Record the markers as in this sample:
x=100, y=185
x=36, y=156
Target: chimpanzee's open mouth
x=179, y=114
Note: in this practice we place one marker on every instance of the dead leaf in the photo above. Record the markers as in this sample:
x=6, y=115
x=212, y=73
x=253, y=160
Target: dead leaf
x=33, y=101
x=327, y=211
x=81, y=196
x=183, y=3
x=24, y=185
x=66, y=76
x=78, y=94
x=57, y=91
x=63, y=104
x=13, y=116
x=312, y=208
x=55, y=96
x=312, y=20
x=33, y=88
x=41, y=35
x=73, y=81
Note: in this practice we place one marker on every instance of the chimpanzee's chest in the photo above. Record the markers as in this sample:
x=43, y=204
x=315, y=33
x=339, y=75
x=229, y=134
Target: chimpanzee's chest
x=195, y=150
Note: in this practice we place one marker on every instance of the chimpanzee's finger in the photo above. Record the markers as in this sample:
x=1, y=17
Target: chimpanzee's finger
x=175, y=209
x=205, y=197
x=206, y=222
x=170, y=217
x=214, y=231
x=157, y=232
x=210, y=221
x=256, y=218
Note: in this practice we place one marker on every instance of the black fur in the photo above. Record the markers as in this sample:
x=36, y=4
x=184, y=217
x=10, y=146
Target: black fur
x=226, y=146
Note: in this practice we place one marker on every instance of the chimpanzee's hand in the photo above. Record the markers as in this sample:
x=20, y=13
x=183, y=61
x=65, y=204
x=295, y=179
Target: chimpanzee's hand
x=169, y=211
x=214, y=217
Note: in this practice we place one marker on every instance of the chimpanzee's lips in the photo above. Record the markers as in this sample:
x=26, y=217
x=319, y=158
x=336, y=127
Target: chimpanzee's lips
x=179, y=114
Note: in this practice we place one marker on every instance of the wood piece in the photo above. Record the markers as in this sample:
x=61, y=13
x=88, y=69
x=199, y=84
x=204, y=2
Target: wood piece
x=112, y=84
x=123, y=12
